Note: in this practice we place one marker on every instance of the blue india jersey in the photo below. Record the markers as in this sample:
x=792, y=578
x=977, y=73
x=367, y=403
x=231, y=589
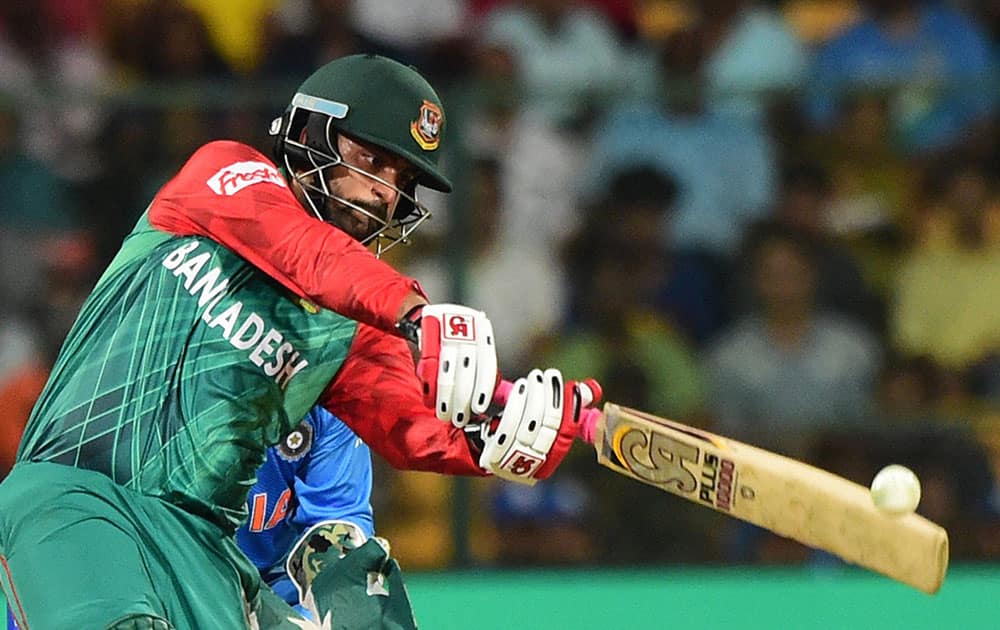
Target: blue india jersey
x=320, y=471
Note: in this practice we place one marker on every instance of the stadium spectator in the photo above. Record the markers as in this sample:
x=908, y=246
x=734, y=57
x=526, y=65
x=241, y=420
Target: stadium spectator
x=943, y=303
x=566, y=59
x=76, y=19
x=914, y=389
x=625, y=273
x=34, y=202
x=68, y=273
x=815, y=21
x=803, y=204
x=724, y=167
x=36, y=56
x=302, y=34
x=172, y=42
x=873, y=187
x=754, y=57
x=422, y=32
x=933, y=60
x=132, y=157
x=789, y=368
x=623, y=14
x=235, y=28
x=19, y=389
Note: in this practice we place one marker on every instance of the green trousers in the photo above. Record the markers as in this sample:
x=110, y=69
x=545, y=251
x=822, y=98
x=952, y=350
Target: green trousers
x=80, y=551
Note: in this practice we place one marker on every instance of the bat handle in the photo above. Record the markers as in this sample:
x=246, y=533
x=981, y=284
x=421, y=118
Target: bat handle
x=588, y=424
x=589, y=416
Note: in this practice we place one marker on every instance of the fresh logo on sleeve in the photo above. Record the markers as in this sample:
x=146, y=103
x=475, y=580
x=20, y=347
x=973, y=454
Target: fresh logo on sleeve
x=231, y=179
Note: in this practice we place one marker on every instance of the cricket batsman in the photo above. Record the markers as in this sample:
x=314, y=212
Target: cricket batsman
x=244, y=296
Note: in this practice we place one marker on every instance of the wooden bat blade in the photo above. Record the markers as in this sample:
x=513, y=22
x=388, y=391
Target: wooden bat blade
x=786, y=496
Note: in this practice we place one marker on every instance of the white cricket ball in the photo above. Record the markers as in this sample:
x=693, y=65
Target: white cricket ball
x=896, y=490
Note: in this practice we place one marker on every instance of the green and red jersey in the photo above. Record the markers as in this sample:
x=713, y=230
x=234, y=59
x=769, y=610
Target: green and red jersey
x=226, y=315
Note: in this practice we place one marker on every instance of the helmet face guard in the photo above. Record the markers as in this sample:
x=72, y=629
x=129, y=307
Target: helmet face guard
x=308, y=163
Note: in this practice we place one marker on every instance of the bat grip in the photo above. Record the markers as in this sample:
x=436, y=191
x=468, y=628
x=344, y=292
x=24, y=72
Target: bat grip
x=589, y=416
x=588, y=424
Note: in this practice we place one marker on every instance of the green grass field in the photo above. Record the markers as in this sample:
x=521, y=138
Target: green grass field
x=701, y=599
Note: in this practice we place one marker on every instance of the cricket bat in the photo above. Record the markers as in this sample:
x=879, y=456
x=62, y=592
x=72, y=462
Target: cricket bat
x=788, y=497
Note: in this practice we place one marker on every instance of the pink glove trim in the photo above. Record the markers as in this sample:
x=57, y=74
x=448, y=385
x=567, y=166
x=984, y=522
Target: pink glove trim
x=502, y=392
x=588, y=424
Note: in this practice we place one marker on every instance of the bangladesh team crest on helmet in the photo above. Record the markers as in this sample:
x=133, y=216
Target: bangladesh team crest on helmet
x=297, y=443
x=426, y=129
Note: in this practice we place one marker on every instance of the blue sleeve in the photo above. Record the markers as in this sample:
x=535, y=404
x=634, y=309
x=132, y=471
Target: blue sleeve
x=333, y=481
x=336, y=481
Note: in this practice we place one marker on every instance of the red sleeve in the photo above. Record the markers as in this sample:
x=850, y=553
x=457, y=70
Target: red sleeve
x=234, y=195
x=377, y=394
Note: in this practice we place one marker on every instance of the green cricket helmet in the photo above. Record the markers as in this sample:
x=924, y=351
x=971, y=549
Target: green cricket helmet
x=374, y=100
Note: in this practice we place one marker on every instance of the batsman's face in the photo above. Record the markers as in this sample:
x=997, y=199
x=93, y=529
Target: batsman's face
x=369, y=178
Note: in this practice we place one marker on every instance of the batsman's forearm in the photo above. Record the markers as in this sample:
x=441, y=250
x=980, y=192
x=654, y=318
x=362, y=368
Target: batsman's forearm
x=378, y=395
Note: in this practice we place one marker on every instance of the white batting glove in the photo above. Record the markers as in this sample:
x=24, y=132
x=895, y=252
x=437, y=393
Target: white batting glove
x=458, y=361
x=537, y=426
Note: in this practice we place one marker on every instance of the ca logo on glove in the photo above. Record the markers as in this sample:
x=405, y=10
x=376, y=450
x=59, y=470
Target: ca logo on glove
x=460, y=327
x=520, y=463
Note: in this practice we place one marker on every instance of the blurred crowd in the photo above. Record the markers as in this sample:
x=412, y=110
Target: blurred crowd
x=775, y=220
